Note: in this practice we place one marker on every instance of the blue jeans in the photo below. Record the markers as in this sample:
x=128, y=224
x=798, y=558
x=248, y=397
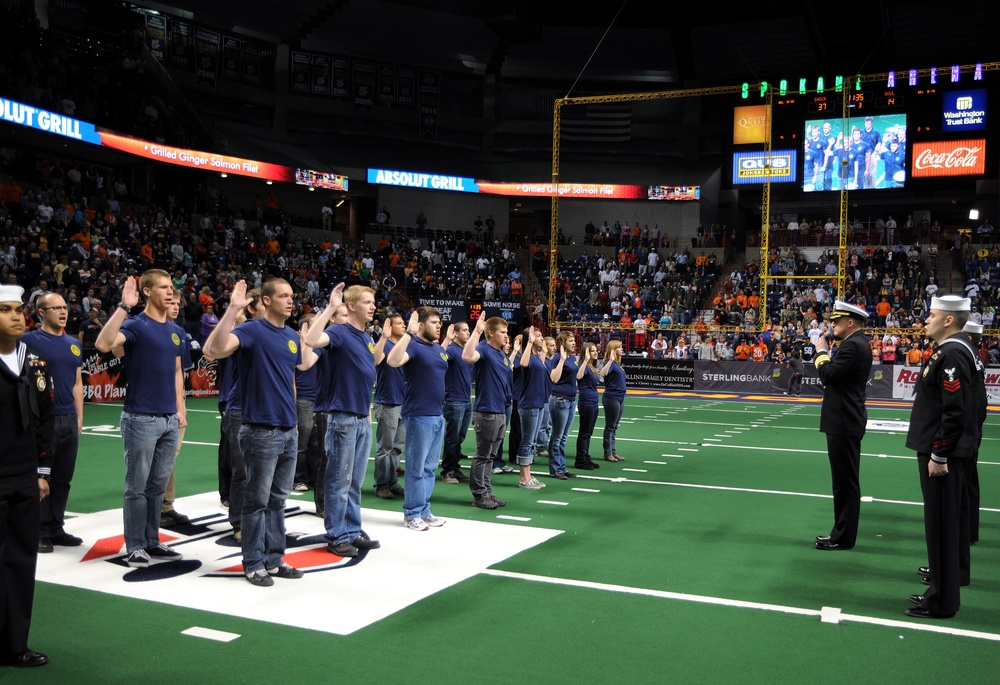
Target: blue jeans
x=531, y=420
x=457, y=416
x=65, y=442
x=562, y=410
x=544, y=428
x=390, y=436
x=269, y=455
x=612, y=415
x=348, y=443
x=424, y=437
x=150, y=449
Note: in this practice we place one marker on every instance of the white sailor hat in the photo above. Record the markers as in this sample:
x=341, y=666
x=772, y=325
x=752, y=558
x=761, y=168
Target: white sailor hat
x=841, y=308
x=951, y=303
x=11, y=293
x=973, y=328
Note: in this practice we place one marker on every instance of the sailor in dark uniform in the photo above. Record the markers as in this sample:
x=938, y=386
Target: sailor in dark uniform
x=26, y=423
x=945, y=431
x=843, y=418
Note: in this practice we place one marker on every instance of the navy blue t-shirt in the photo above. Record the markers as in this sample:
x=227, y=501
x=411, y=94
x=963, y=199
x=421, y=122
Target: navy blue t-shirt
x=350, y=371
x=151, y=353
x=388, y=380
x=268, y=356
x=423, y=394
x=614, y=383
x=458, y=380
x=535, y=384
x=225, y=372
x=64, y=358
x=588, y=388
x=566, y=385
x=493, y=380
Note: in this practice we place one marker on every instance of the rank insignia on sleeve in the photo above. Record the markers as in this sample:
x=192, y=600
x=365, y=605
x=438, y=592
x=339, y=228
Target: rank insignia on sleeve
x=952, y=384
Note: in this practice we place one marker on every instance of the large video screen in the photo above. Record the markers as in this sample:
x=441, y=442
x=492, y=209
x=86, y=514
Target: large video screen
x=860, y=153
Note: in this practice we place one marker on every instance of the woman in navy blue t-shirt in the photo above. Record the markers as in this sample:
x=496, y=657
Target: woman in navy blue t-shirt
x=562, y=405
x=586, y=380
x=613, y=399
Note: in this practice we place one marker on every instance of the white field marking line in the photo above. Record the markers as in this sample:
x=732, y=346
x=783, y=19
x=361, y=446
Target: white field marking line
x=742, y=604
x=507, y=517
x=673, y=456
x=687, y=449
x=637, y=470
x=210, y=634
x=549, y=501
x=658, y=463
x=723, y=435
x=584, y=490
x=713, y=439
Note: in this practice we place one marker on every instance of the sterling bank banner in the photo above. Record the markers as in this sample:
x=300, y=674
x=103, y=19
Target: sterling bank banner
x=745, y=378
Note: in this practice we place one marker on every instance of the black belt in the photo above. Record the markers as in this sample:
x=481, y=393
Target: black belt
x=263, y=427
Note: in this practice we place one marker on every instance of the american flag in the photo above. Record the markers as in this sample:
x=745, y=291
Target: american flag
x=597, y=123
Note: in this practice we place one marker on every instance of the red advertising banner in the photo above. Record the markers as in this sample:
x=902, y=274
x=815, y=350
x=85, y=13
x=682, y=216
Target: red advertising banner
x=949, y=158
x=197, y=159
x=604, y=191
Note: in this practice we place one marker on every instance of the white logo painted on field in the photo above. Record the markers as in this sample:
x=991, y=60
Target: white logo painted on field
x=336, y=595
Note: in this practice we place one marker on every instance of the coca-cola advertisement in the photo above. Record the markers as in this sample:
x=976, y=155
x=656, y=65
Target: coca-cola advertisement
x=949, y=158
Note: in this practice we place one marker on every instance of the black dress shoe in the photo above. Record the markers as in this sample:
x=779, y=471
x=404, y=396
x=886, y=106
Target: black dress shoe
x=64, y=539
x=828, y=546
x=822, y=538
x=44, y=545
x=926, y=580
x=924, y=571
x=917, y=599
x=920, y=612
x=26, y=659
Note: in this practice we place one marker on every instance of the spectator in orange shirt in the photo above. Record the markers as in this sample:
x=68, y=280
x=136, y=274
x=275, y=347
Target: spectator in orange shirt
x=758, y=352
x=915, y=355
x=754, y=301
x=742, y=300
x=742, y=351
x=882, y=309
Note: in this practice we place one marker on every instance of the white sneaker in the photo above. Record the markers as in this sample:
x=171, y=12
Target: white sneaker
x=416, y=524
x=434, y=521
x=532, y=484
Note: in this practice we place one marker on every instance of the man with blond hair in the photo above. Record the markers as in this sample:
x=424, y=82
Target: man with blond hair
x=345, y=394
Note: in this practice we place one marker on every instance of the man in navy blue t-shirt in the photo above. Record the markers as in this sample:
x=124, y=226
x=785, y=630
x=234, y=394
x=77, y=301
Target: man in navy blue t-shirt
x=269, y=353
x=153, y=412
x=493, y=379
x=64, y=359
x=424, y=363
x=345, y=394
x=457, y=402
x=391, y=434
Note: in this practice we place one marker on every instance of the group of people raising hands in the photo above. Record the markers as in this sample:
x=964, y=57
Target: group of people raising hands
x=550, y=381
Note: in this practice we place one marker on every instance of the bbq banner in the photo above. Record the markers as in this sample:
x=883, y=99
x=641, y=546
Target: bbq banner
x=658, y=374
x=206, y=47
x=156, y=35
x=105, y=380
x=232, y=58
x=103, y=377
x=180, y=45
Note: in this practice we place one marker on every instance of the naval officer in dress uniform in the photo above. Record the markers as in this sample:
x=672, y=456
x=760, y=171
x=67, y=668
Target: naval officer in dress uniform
x=26, y=422
x=843, y=418
x=945, y=431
